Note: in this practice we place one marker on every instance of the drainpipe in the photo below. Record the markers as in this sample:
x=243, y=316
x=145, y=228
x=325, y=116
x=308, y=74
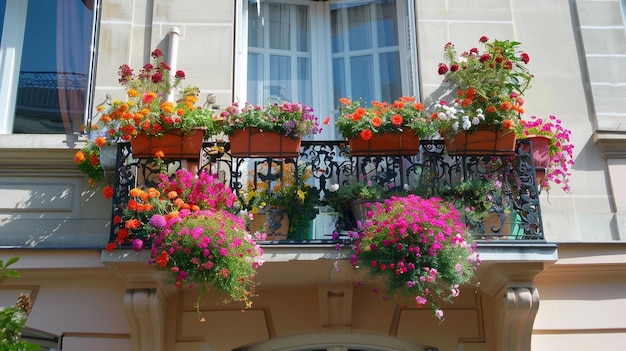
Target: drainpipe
x=172, y=54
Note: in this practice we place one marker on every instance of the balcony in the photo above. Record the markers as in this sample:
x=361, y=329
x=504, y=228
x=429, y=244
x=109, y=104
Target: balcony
x=515, y=215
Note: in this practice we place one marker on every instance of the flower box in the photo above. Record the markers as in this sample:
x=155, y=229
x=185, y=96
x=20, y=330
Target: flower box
x=173, y=144
x=253, y=142
x=405, y=143
x=484, y=141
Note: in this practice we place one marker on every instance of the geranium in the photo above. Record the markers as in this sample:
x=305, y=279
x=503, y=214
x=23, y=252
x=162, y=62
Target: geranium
x=357, y=120
x=489, y=86
x=560, y=150
x=295, y=120
x=149, y=107
x=420, y=246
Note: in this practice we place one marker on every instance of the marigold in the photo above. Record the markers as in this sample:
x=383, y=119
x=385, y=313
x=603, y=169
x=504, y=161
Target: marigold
x=366, y=134
x=107, y=191
x=79, y=156
x=396, y=120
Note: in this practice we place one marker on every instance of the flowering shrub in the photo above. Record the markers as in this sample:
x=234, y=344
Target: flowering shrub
x=146, y=110
x=560, y=150
x=382, y=117
x=185, y=192
x=194, y=238
x=419, y=245
x=208, y=247
x=489, y=87
x=290, y=119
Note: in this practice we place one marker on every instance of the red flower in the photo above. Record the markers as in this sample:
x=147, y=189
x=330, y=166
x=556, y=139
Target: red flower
x=180, y=74
x=157, y=78
x=443, y=69
x=156, y=53
x=326, y=121
x=366, y=134
x=396, y=120
x=110, y=247
x=485, y=57
x=454, y=67
x=376, y=122
x=107, y=192
x=483, y=39
x=524, y=56
x=162, y=259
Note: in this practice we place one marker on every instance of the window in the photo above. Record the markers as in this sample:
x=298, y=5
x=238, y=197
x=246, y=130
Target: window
x=46, y=62
x=317, y=52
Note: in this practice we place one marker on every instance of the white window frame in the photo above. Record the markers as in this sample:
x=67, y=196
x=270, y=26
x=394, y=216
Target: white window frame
x=319, y=12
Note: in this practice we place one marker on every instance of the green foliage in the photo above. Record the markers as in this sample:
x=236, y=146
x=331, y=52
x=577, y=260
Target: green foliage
x=471, y=198
x=13, y=318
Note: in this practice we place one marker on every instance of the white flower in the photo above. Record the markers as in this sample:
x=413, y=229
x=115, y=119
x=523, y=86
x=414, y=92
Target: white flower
x=455, y=126
x=333, y=187
x=405, y=187
x=475, y=120
x=466, y=122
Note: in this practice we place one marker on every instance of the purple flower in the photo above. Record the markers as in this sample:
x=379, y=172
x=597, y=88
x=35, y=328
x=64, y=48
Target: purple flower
x=137, y=244
x=158, y=221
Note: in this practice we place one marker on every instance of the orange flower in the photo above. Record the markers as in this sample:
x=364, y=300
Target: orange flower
x=407, y=98
x=396, y=120
x=133, y=204
x=172, y=195
x=179, y=202
x=132, y=92
x=159, y=154
x=79, y=157
x=326, y=121
x=366, y=134
x=132, y=223
x=490, y=109
x=505, y=106
x=153, y=193
x=418, y=106
x=345, y=101
x=135, y=192
x=100, y=141
x=376, y=122
x=507, y=124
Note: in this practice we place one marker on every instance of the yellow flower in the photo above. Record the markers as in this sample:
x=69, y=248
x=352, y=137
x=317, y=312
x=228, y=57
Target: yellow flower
x=254, y=210
x=301, y=195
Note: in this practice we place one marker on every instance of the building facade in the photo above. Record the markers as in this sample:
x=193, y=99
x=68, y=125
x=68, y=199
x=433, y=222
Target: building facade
x=564, y=293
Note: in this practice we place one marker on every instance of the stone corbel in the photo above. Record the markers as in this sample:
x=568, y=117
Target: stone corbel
x=518, y=315
x=145, y=311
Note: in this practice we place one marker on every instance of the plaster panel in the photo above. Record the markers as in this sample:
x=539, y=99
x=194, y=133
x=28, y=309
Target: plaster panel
x=457, y=324
x=578, y=340
x=607, y=69
x=599, y=13
x=609, y=98
x=224, y=330
x=459, y=10
x=603, y=41
x=96, y=343
x=38, y=195
x=117, y=10
x=182, y=12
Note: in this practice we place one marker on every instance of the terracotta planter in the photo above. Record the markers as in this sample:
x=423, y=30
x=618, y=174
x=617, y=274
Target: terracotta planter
x=174, y=145
x=484, y=141
x=405, y=143
x=252, y=142
x=273, y=221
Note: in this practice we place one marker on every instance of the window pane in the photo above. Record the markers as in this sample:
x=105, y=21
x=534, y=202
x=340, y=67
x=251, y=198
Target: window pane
x=360, y=27
x=255, y=28
x=339, y=80
x=302, y=29
x=387, y=24
x=280, y=79
x=54, y=72
x=390, y=82
x=280, y=27
x=255, y=77
x=361, y=71
x=305, y=93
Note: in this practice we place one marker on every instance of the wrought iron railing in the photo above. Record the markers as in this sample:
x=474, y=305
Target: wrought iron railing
x=515, y=207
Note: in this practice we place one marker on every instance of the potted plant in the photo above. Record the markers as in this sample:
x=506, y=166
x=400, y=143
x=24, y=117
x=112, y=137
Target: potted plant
x=352, y=200
x=150, y=117
x=419, y=247
x=274, y=130
x=285, y=204
x=489, y=87
x=383, y=128
x=552, y=150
